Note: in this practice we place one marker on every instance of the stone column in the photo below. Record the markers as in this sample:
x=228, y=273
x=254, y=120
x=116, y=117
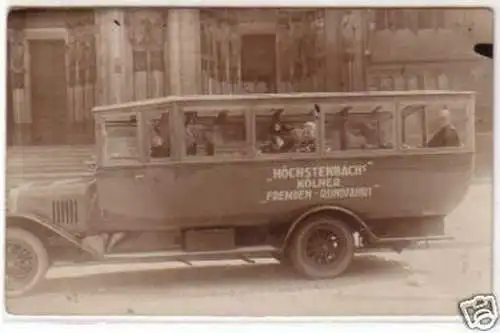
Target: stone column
x=184, y=49
x=81, y=74
x=20, y=111
x=353, y=50
x=146, y=31
x=334, y=79
x=112, y=57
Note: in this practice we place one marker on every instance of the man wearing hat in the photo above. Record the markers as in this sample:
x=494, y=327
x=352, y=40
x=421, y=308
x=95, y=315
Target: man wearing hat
x=280, y=133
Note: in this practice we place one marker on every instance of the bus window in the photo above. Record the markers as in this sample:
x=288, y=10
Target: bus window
x=434, y=125
x=362, y=126
x=292, y=129
x=446, y=125
x=158, y=131
x=119, y=134
x=215, y=133
x=413, y=126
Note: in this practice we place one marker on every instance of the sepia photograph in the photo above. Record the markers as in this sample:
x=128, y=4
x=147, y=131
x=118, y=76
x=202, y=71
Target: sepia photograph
x=245, y=161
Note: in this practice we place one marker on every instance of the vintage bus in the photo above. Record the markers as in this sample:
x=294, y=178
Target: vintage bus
x=307, y=178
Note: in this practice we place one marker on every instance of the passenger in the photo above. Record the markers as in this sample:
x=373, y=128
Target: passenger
x=363, y=135
x=159, y=141
x=277, y=126
x=280, y=134
x=446, y=135
x=310, y=135
x=309, y=132
x=305, y=137
x=277, y=145
x=214, y=137
x=191, y=134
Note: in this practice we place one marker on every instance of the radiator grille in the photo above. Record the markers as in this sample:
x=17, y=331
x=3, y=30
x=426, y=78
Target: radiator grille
x=65, y=211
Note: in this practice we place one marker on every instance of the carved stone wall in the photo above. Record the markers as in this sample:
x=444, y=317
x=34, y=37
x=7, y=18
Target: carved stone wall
x=147, y=37
x=16, y=55
x=82, y=68
x=81, y=74
x=352, y=43
x=220, y=52
x=300, y=48
x=302, y=51
x=430, y=49
x=316, y=50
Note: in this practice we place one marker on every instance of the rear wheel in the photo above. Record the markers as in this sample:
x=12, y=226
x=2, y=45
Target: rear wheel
x=26, y=262
x=322, y=247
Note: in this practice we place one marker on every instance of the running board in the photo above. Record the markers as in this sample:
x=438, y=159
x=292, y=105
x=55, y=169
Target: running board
x=413, y=243
x=243, y=253
x=424, y=245
x=413, y=239
x=247, y=254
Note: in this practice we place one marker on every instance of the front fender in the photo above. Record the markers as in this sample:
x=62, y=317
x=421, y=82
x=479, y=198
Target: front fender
x=66, y=203
x=27, y=220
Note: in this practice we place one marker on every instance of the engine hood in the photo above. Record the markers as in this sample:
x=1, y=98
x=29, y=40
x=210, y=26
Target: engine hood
x=35, y=197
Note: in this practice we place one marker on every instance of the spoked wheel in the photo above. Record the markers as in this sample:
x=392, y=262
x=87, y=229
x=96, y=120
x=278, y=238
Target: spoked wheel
x=322, y=248
x=26, y=262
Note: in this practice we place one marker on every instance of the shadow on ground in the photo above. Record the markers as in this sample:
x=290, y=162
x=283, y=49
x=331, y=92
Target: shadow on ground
x=223, y=279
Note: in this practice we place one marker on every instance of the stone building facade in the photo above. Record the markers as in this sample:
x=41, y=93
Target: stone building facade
x=64, y=62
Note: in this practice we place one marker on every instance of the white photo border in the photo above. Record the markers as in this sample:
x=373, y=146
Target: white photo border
x=122, y=324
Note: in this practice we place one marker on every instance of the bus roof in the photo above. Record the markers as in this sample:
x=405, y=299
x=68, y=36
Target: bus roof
x=225, y=99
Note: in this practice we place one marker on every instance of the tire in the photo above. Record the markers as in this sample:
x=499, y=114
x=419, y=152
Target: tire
x=312, y=252
x=19, y=240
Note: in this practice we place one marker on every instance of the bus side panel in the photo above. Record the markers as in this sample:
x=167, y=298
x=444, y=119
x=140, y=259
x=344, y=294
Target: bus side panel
x=243, y=193
x=118, y=194
x=426, y=184
x=136, y=199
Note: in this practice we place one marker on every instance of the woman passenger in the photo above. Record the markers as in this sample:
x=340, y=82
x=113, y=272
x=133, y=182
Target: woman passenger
x=160, y=146
x=191, y=133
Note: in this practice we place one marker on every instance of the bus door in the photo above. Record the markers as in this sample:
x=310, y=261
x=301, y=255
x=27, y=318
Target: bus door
x=119, y=168
x=157, y=183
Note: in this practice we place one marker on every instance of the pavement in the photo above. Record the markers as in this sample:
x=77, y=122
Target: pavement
x=426, y=282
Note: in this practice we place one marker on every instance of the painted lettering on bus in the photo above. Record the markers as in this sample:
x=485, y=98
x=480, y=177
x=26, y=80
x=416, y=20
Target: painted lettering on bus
x=319, y=183
x=320, y=171
x=291, y=195
x=346, y=193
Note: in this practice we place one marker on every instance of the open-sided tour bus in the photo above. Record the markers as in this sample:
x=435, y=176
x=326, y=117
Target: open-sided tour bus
x=307, y=178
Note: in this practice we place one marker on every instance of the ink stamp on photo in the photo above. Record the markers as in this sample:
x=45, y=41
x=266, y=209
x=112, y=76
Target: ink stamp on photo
x=479, y=312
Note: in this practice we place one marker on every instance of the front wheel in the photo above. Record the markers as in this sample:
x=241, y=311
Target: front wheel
x=322, y=247
x=26, y=262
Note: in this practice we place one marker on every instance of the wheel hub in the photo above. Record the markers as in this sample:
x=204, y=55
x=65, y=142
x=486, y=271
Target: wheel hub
x=20, y=264
x=322, y=247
